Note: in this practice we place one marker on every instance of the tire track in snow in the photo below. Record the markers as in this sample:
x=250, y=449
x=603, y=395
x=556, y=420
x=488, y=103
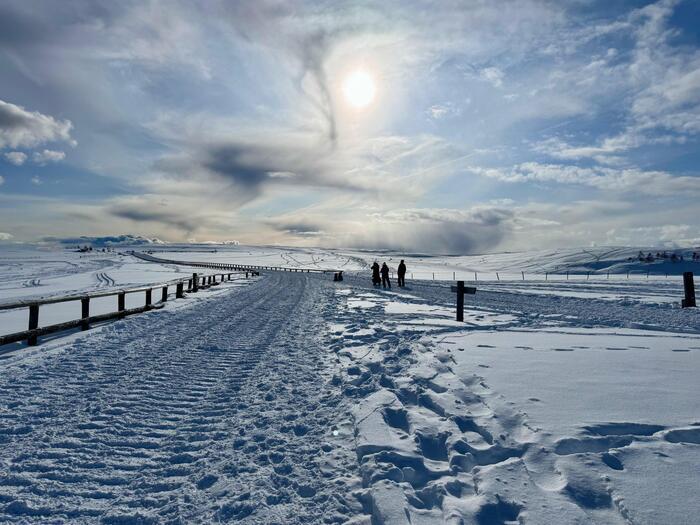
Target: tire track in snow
x=212, y=413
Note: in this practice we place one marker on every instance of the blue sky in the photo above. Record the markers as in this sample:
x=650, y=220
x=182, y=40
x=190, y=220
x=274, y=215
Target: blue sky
x=493, y=125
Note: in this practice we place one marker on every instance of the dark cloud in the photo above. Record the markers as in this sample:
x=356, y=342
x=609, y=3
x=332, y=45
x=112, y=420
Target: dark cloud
x=139, y=212
x=299, y=228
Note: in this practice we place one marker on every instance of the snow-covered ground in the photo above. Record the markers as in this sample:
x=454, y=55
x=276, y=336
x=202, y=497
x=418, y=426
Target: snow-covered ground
x=293, y=399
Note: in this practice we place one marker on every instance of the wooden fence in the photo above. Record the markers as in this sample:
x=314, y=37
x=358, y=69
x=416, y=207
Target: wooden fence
x=195, y=283
x=229, y=266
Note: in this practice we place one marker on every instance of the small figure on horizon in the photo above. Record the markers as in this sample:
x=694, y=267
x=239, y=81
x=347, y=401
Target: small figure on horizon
x=401, y=272
x=376, y=280
x=386, y=283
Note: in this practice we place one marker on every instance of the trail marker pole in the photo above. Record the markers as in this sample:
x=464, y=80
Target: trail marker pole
x=33, y=323
x=85, y=312
x=689, y=288
x=461, y=290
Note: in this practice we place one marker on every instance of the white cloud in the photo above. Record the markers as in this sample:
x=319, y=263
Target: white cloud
x=492, y=75
x=5, y=236
x=36, y=181
x=2, y=180
x=441, y=111
x=630, y=180
x=16, y=157
x=28, y=129
x=46, y=156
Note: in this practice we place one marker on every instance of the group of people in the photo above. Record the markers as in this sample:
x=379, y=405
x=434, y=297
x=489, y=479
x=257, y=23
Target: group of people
x=381, y=275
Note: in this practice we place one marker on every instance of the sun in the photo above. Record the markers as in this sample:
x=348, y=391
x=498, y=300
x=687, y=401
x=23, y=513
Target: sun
x=359, y=89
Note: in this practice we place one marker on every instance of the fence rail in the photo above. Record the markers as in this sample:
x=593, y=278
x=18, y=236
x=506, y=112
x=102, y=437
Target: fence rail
x=227, y=266
x=34, y=331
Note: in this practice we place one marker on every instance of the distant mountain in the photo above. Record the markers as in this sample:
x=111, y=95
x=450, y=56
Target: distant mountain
x=112, y=240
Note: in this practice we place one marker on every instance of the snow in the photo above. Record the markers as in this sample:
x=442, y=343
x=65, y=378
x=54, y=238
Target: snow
x=290, y=398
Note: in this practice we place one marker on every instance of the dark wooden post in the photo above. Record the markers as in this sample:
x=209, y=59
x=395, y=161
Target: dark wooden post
x=195, y=282
x=85, y=307
x=460, y=300
x=164, y=295
x=148, y=297
x=189, y=285
x=461, y=290
x=121, y=302
x=178, y=290
x=689, y=288
x=33, y=323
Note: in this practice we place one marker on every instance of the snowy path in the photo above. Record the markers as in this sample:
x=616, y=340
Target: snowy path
x=210, y=413
x=298, y=400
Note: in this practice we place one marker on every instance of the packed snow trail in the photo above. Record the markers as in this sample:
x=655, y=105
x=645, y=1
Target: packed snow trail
x=299, y=400
x=217, y=412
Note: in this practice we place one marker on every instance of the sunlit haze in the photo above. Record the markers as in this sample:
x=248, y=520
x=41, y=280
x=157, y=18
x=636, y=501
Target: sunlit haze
x=436, y=127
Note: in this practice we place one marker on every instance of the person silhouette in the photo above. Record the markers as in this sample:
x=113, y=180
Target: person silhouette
x=375, y=274
x=386, y=283
x=401, y=272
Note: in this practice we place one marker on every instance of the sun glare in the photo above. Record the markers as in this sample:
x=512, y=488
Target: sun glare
x=359, y=89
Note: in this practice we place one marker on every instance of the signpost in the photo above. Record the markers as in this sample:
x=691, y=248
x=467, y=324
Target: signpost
x=461, y=290
x=689, y=287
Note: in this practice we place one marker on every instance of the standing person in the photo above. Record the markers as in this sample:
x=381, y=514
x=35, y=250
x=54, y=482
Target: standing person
x=386, y=283
x=402, y=273
x=375, y=274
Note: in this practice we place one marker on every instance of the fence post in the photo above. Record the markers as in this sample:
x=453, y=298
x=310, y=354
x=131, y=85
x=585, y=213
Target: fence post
x=497, y=277
x=195, y=282
x=33, y=323
x=588, y=275
x=178, y=290
x=546, y=276
x=460, y=300
x=148, y=297
x=121, y=302
x=85, y=313
x=689, y=288
x=453, y=276
x=164, y=295
x=523, y=273
x=433, y=276
x=476, y=277
x=567, y=275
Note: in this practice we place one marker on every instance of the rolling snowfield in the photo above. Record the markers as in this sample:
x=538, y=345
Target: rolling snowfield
x=290, y=398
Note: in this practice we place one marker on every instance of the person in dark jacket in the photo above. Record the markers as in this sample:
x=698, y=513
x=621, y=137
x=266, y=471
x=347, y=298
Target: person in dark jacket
x=386, y=283
x=376, y=280
x=402, y=273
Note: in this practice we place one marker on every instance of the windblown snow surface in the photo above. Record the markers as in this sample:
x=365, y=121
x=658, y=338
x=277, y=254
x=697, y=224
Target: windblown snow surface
x=290, y=398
